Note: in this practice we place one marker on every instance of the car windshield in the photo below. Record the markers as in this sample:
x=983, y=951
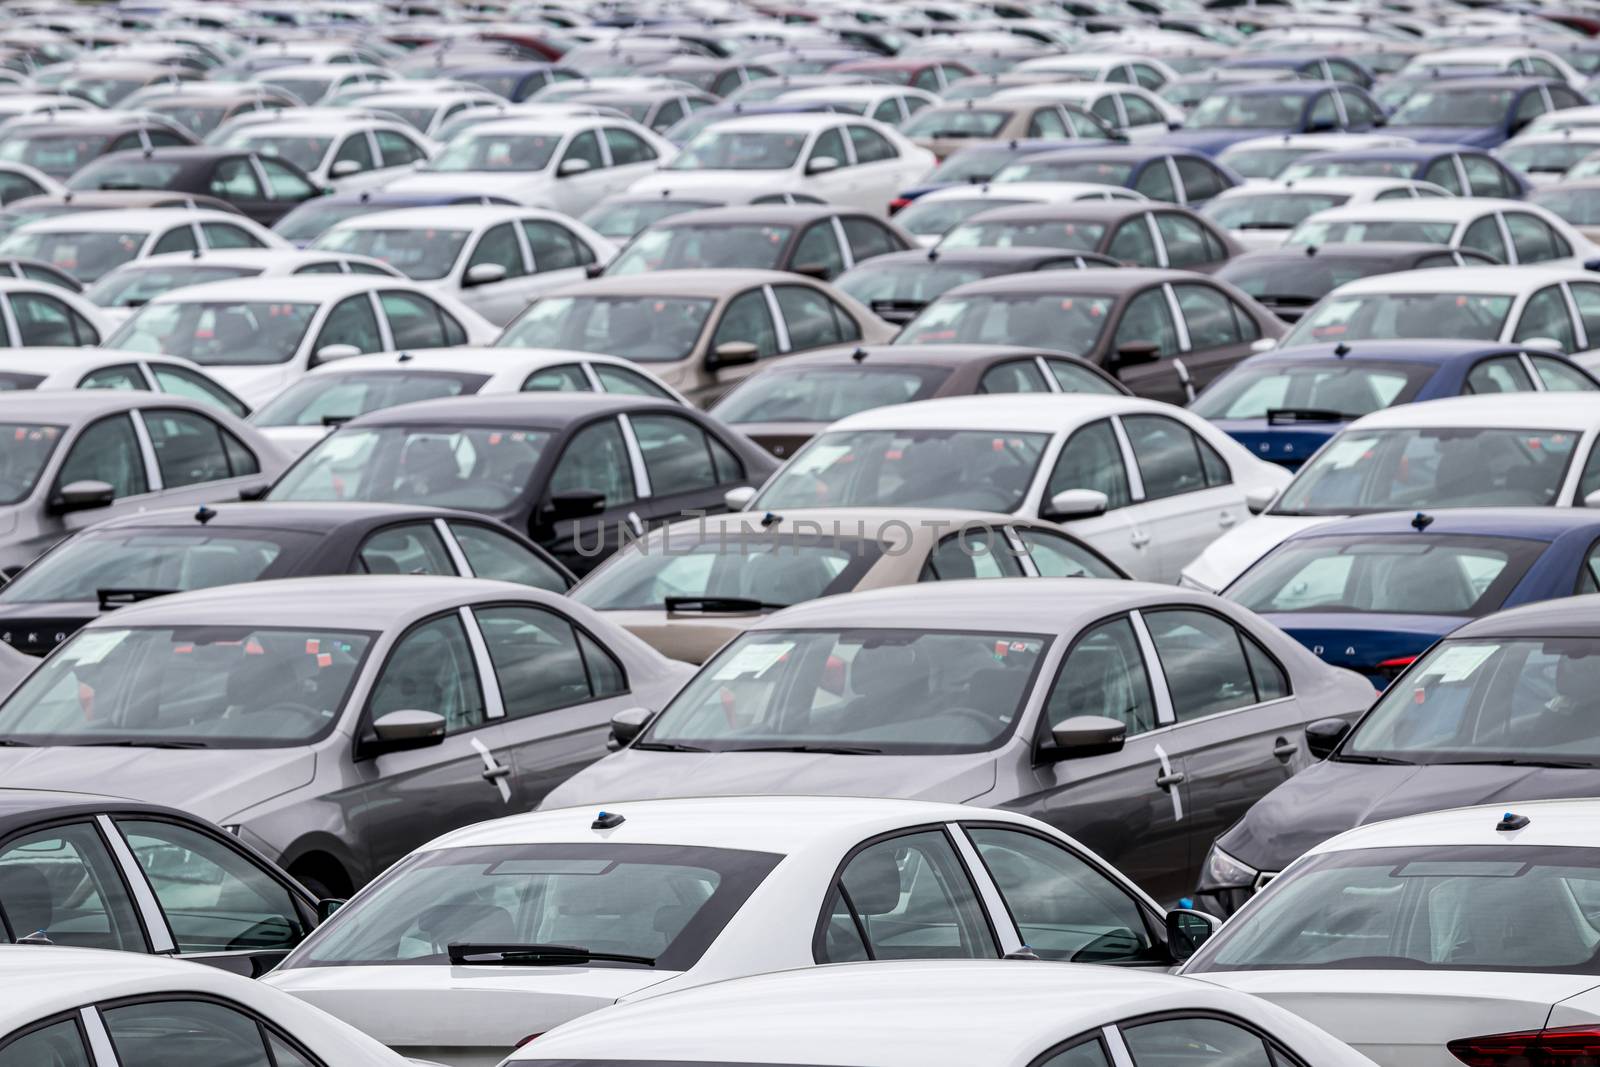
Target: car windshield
x=648, y=329
x=418, y=117
x=1587, y=167
x=1393, y=316
x=125, y=172
x=983, y=470
x=1362, y=471
x=488, y=150
x=1026, y=233
x=1265, y=110
x=904, y=282
x=304, y=152
x=1100, y=172
x=622, y=219
x=198, y=119
x=1063, y=322
x=753, y=246
x=956, y=122
x=894, y=691
x=1348, y=389
x=479, y=469
x=422, y=253
x=825, y=394
x=84, y=254
x=969, y=166
x=22, y=461
x=331, y=399
x=935, y=216
x=314, y=217
x=1351, y=168
x=665, y=903
x=308, y=90
x=1554, y=158
x=740, y=150
x=1502, y=908
x=1581, y=207
x=1268, y=211
x=1454, y=107
x=1261, y=162
x=1302, y=280
x=57, y=154
x=229, y=333
x=1408, y=574
x=1489, y=699
x=135, y=285
x=147, y=561
x=207, y=686
x=1354, y=231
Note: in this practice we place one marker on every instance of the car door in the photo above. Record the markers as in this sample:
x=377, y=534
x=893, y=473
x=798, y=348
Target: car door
x=596, y=460
x=1145, y=345
x=499, y=249
x=1218, y=332
x=880, y=170
x=407, y=797
x=107, y=450
x=1093, y=458
x=838, y=185
x=1185, y=494
x=631, y=157
x=746, y=319
x=1114, y=804
x=1144, y=122
x=687, y=468
x=198, y=459
x=576, y=191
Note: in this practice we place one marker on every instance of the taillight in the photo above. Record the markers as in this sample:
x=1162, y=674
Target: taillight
x=527, y=1039
x=1391, y=668
x=897, y=203
x=1562, y=1046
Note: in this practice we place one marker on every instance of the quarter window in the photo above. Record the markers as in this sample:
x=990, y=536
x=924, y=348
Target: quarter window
x=122, y=376
x=566, y=378
x=415, y=548
x=397, y=149
x=810, y=317
x=283, y=183
x=1209, y=315
x=868, y=239
x=415, y=321
x=59, y=1044
x=536, y=659
x=225, y=235
x=1561, y=377
x=1168, y=457
x=1013, y=376
x=1200, y=180
x=1501, y=374
x=1442, y=172
x=1185, y=239
x=188, y=448
x=871, y=146
x=902, y=899
x=178, y=239
x=493, y=555
x=1533, y=238
x=554, y=246
x=1206, y=664
x=676, y=455
x=432, y=668
x=974, y=553
x=1060, y=557
x=627, y=147
x=1485, y=177
x=632, y=383
x=1196, y=1041
x=1484, y=236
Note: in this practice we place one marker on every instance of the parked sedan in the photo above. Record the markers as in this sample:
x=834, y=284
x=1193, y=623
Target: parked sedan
x=90, y=243
x=313, y=218
x=40, y=314
x=1513, y=232
x=1266, y=158
x=1237, y=113
x=1136, y=234
x=994, y=693
x=945, y=128
x=83, y=367
x=1461, y=171
x=898, y=285
x=1577, y=200
x=709, y=878
x=310, y=741
x=1131, y=111
x=931, y=216
x=1157, y=172
x=1260, y=215
x=59, y=147
x=1288, y=281
x=1481, y=112
x=261, y=185
x=336, y=155
x=623, y=216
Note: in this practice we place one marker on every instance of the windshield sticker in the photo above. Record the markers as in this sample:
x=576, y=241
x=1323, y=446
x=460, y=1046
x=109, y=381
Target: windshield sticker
x=91, y=648
x=1456, y=663
x=820, y=458
x=752, y=660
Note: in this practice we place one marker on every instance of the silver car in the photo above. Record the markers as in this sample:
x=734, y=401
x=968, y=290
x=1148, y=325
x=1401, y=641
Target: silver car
x=1141, y=719
x=75, y=457
x=334, y=723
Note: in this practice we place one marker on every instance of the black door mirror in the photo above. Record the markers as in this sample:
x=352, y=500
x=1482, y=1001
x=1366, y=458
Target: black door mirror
x=626, y=725
x=1082, y=736
x=83, y=495
x=327, y=906
x=1187, y=930
x=1324, y=735
x=575, y=504
x=1135, y=354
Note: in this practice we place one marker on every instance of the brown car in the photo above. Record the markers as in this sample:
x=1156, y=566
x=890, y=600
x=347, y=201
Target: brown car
x=786, y=404
x=950, y=127
x=1164, y=333
x=1137, y=234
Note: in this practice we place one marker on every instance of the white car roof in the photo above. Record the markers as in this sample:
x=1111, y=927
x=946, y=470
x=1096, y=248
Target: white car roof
x=1043, y=192
x=1327, y=142
x=51, y=361
x=305, y=288
x=797, y=122
x=1064, y=91
x=1354, y=187
x=267, y=259
x=331, y=125
x=469, y=359
x=455, y=216
x=1045, y=413
x=1521, y=411
x=537, y=125
x=1551, y=822
x=1484, y=54
x=1489, y=280
x=865, y=93
x=1427, y=209
x=143, y=218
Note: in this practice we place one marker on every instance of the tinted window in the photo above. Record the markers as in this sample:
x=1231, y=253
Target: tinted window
x=494, y=555
x=1092, y=459
x=536, y=659
x=627, y=147
x=499, y=248
x=747, y=318
x=1210, y=316
x=905, y=898
x=1058, y=556
x=107, y=452
x=1013, y=376
x=974, y=553
x=812, y=319
x=676, y=456
x=870, y=145
x=188, y=448
x=415, y=548
x=1105, y=675
x=1533, y=238
x=416, y=321
x=1203, y=658
x=44, y=320
x=1502, y=374
x=1545, y=317
x=351, y=322
x=596, y=460
x=1168, y=458
x=185, y=1033
x=64, y=884
x=1147, y=319
x=1186, y=240
x=1195, y=1043
x=555, y=247
x=432, y=668
x=57, y=1045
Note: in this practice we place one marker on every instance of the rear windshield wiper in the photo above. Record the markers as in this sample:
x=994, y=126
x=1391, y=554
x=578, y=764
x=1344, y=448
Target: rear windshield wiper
x=837, y=750
x=538, y=955
x=336, y=420
x=1265, y=226
x=116, y=598
x=1387, y=760
x=141, y=742
x=718, y=604
x=1290, y=416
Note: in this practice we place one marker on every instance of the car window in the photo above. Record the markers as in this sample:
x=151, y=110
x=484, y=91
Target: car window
x=1133, y=244
x=1204, y=659
x=1092, y=459
x=867, y=238
x=59, y=1044
x=188, y=448
x=63, y=883
x=122, y=376
x=1484, y=235
x=810, y=317
x=1484, y=177
x=627, y=147
x=1058, y=556
x=596, y=460
x=630, y=382
x=1089, y=1053
x=283, y=183
x=1209, y=315
x=1586, y=296
x=1064, y=908
x=1075, y=379
x=905, y=898
x=676, y=455
x=1545, y=316
x=432, y=669
x=1501, y=374
x=1186, y=240
x=1324, y=113
x=747, y=318
x=1013, y=376
x=1356, y=108
x=1148, y=320
x=976, y=552
x=415, y=321
x=397, y=149
x=44, y=320
x=414, y=548
x=185, y=1033
x=226, y=235
x=1442, y=172
x=1530, y=106
x=870, y=145
x=1201, y=181
x=177, y=239
x=818, y=247
x=830, y=145
x=499, y=247
x=215, y=899
x=1197, y=1042
x=1559, y=376
x=887, y=111
x=1140, y=111
x=554, y=246
x=233, y=179
x=1047, y=122
x=107, y=451
x=351, y=322
x=356, y=149
x=1104, y=675
x=1534, y=239
x=566, y=378
x=668, y=113
x=536, y=659
x=1155, y=181
x=491, y=554
x=1167, y=455
x=585, y=146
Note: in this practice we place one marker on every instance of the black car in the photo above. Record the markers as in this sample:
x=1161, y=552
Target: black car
x=61, y=148
x=264, y=188
x=1501, y=711
x=170, y=550
x=898, y=285
x=91, y=871
x=1287, y=281
x=578, y=472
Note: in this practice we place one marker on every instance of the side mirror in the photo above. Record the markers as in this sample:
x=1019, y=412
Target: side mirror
x=1075, y=504
x=398, y=731
x=1260, y=498
x=732, y=354
x=1591, y=264
x=344, y=168
x=1134, y=354
x=821, y=165
x=594, y=270
x=81, y=496
x=1264, y=344
x=327, y=906
x=1085, y=735
x=739, y=499
x=484, y=274
x=1324, y=735
x=328, y=353
x=1321, y=126
x=819, y=271
x=626, y=725
x=1592, y=500
x=1174, y=127
x=570, y=167
x=575, y=504
x=1187, y=930
x=1548, y=344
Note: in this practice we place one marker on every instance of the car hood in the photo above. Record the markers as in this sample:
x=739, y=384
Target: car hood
x=1212, y=141
x=518, y=185
x=1477, y=136
x=215, y=784
x=1231, y=554
x=1330, y=797
x=641, y=775
x=668, y=182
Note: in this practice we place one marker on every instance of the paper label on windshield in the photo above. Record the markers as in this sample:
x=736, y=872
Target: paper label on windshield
x=820, y=458
x=1457, y=662
x=91, y=648
x=752, y=660
x=1347, y=452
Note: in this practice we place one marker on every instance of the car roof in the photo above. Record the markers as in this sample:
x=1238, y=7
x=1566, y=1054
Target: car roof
x=1401, y=350
x=469, y=216
x=311, y=288
x=708, y=282
x=1538, y=524
x=1106, y=211
x=136, y=218
x=1426, y=150
x=1427, y=209
x=1495, y=82
x=761, y=214
x=1109, y=281
x=1550, y=822
x=786, y=121
x=50, y=360
x=466, y=359
x=1485, y=279
x=1383, y=250
x=313, y=516
x=954, y=355
x=1521, y=411
x=531, y=410
x=1295, y=86
x=1116, y=153
x=76, y=405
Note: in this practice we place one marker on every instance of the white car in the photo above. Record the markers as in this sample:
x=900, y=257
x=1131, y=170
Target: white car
x=107, y=368
x=18, y=180
x=424, y=110
x=76, y=1007
x=1515, y=60
x=1569, y=118
x=623, y=216
x=493, y=259
x=1435, y=939
x=888, y=104
x=566, y=164
x=87, y=244
x=1264, y=158
x=1135, y=112
x=842, y=159
x=930, y=216
x=332, y=394
x=1513, y=231
x=1544, y=158
x=1078, y=459
x=948, y=1013
x=1127, y=68
x=347, y=156
x=1261, y=215
x=1503, y=450
x=39, y=314
x=690, y=892
x=314, y=82
x=256, y=337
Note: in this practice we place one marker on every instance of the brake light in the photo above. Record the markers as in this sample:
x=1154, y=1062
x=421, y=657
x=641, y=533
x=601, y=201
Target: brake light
x=1566, y=1046
x=897, y=203
x=527, y=1039
x=1398, y=663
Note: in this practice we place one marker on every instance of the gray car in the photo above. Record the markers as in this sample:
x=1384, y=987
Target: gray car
x=1141, y=719
x=75, y=457
x=334, y=723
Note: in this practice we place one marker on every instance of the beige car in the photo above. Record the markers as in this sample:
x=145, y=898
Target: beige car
x=690, y=588
x=949, y=128
x=700, y=331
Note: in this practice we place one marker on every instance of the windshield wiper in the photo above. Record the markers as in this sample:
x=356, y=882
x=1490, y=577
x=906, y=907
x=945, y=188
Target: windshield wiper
x=667, y=746
x=1265, y=226
x=11, y=742
x=537, y=955
x=1290, y=416
x=719, y=603
x=141, y=742
x=1516, y=761
x=836, y=750
x=1386, y=760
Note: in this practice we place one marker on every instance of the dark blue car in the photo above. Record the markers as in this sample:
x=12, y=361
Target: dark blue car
x=1460, y=169
x=1482, y=112
x=1284, y=405
x=1159, y=171
x=1316, y=66
x=1373, y=593
x=974, y=165
x=1240, y=112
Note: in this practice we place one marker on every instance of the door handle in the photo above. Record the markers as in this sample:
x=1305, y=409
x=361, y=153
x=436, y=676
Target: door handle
x=1227, y=519
x=1284, y=749
x=1139, y=538
x=497, y=772
x=1170, y=779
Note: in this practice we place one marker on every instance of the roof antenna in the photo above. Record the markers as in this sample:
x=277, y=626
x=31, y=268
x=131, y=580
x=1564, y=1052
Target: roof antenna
x=771, y=518
x=859, y=354
x=1341, y=350
x=1421, y=521
x=405, y=357
x=204, y=515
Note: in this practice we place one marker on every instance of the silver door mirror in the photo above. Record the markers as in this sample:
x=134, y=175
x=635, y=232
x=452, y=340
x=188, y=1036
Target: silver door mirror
x=83, y=495
x=739, y=499
x=1260, y=498
x=571, y=167
x=396, y=731
x=1086, y=735
x=1545, y=344
x=328, y=353
x=1075, y=504
x=1265, y=344
x=484, y=274
x=344, y=168
x=822, y=165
